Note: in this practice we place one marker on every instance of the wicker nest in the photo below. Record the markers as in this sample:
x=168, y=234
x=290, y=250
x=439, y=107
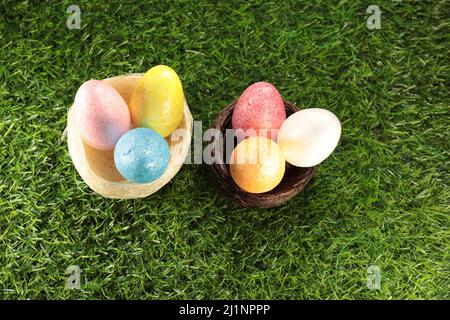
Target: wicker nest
x=294, y=180
x=97, y=167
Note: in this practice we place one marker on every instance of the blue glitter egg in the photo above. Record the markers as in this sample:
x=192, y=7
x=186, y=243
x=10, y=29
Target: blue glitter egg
x=141, y=155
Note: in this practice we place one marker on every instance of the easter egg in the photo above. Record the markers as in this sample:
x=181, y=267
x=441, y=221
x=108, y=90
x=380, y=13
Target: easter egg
x=141, y=155
x=157, y=102
x=309, y=136
x=257, y=164
x=101, y=114
x=259, y=111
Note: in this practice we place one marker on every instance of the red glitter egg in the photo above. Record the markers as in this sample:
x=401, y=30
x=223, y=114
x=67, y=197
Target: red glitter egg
x=259, y=111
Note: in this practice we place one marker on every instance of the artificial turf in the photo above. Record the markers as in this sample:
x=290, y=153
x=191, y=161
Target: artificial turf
x=381, y=199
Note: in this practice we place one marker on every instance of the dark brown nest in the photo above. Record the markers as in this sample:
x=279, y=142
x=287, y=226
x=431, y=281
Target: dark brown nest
x=294, y=180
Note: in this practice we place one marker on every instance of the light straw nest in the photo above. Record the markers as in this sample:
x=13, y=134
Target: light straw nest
x=97, y=167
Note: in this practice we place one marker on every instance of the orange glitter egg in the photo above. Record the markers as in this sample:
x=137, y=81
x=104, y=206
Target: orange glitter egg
x=257, y=164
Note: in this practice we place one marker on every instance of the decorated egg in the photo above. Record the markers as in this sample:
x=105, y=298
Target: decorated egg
x=101, y=114
x=257, y=164
x=259, y=111
x=141, y=155
x=157, y=102
x=309, y=136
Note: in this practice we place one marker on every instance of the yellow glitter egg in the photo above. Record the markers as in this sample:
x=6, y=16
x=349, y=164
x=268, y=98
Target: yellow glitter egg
x=157, y=101
x=257, y=164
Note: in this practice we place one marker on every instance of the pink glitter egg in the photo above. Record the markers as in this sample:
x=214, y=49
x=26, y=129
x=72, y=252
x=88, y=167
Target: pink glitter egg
x=259, y=111
x=101, y=114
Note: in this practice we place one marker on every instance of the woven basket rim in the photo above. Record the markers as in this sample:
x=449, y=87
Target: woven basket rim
x=124, y=189
x=294, y=180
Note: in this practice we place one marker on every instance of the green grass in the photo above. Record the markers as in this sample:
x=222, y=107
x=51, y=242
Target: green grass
x=382, y=198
